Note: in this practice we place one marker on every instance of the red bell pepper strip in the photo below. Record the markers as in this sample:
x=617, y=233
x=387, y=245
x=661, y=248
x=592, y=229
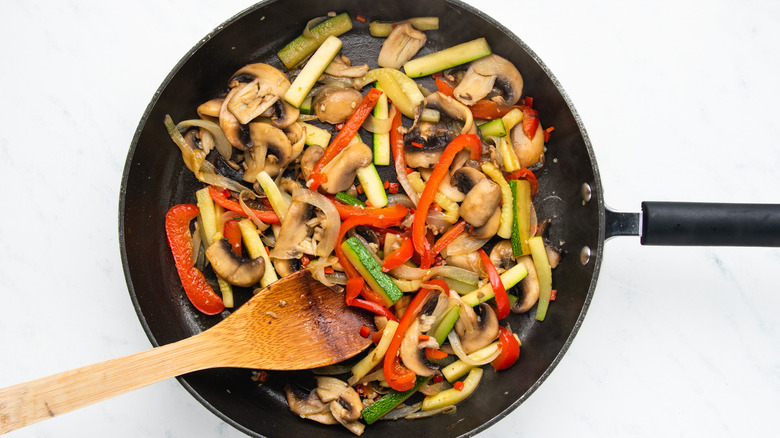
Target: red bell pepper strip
x=444, y=87
x=346, y=211
x=354, y=286
x=345, y=135
x=400, y=255
x=221, y=197
x=437, y=176
x=526, y=175
x=373, y=307
x=489, y=110
x=502, y=299
x=398, y=376
x=510, y=349
x=232, y=233
x=530, y=121
x=432, y=353
x=198, y=290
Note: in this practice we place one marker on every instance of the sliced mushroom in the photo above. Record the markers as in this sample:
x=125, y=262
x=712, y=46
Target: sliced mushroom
x=528, y=288
x=235, y=269
x=210, y=109
x=343, y=401
x=309, y=158
x=529, y=151
x=400, y=46
x=465, y=178
x=424, y=144
x=308, y=405
x=453, y=109
x=271, y=151
x=342, y=68
x=335, y=104
x=502, y=255
x=480, y=330
x=491, y=226
x=296, y=133
x=342, y=169
x=236, y=133
x=284, y=114
x=285, y=267
x=294, y=231
x=483, y=74
x=481, y=202
x=258, y=86
x=445, y=186
x=412, y=356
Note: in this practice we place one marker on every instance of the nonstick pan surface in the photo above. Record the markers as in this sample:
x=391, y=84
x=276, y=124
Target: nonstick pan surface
x=633, y=346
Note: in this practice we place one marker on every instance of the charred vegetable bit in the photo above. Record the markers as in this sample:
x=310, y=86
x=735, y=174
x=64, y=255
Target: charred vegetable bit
x=287, y=182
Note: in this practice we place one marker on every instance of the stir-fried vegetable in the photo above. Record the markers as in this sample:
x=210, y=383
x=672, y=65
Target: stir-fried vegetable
x=439, y=257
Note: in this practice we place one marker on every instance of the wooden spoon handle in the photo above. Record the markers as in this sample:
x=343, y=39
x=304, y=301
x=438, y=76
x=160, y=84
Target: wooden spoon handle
x=37, y=400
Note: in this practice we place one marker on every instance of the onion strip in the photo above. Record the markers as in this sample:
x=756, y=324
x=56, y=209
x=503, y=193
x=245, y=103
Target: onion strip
x=457, y=347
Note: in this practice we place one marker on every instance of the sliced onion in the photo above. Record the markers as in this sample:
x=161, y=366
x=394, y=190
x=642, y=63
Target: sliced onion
x=450, y=409
x=402, y=411
x=455, y=273
x=224, y=147
x=313, y=22
x=262, y=226
x=377, y=126
x=400, y=198
x=406, y=272
x=464, y=244
x=317, y=268
x=458, y=349
x=332, y=220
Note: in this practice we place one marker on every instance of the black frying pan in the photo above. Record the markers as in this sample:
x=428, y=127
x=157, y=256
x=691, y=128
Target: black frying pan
x=571, y=192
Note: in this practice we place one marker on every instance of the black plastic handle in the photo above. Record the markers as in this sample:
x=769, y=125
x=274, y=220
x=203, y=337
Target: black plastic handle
x=710, y=224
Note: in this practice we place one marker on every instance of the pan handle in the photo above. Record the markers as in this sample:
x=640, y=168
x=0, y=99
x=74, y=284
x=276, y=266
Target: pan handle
x=699, y=224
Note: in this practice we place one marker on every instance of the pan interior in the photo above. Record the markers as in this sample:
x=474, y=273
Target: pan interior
x=155, y=179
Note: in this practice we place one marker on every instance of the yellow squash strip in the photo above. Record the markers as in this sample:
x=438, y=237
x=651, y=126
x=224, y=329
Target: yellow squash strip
x=543, y=272
x=378, y=29
x=400, y=89
x=256, y=249
x=373, y=358
x=509, y=278
x=505, y=227
x=449, y=207
x=274, y=195
x=512, y=118
x=458, y=369
x=508, y=156
x=316, y=135
x=453, y=396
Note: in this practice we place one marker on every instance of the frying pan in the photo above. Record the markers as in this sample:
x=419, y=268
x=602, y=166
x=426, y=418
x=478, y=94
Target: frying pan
x=154, y=179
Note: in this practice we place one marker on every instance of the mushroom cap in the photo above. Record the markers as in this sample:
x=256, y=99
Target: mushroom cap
x=258, y=86
x=528, y=287
x=491, y=226
x=481, y=332
x=308, y=405
x=400, y=46
x=481, y=202
x=236, y=133
x=529, y=151
x=453, y=109
x=412, y=356
x=267, y=141
x=465, y=178
x=235, y=269
x=434, y=138
x=485, y=72
x=284, y=114
x=342, y=169
x=335, y=104
x=502, y=255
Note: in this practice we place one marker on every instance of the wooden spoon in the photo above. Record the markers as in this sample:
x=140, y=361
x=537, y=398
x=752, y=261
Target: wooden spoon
x=295, y=323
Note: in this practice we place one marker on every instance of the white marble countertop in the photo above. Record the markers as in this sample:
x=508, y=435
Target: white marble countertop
x=679, y=99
